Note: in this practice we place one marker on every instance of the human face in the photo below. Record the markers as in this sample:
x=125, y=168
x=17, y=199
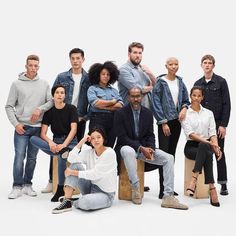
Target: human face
x=96, y=140
x=135, y=98
x=59, y=95
x=135, y=56
x=196, y=97
x=76, y=61
x=32, y=68
x=207, y=66
x=172, y=65
x=104, y=77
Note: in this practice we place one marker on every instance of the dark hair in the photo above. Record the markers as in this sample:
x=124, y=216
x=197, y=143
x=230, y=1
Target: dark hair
x=100, y=130
x=76, y=50
x=209, y=57
x=197, y=88
x=32, y=57
x=95, y=70
x=55, y=87
x=135, y=45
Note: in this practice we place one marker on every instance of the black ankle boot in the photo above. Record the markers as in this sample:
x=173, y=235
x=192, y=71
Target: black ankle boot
x=58, y=194
x=224, y=190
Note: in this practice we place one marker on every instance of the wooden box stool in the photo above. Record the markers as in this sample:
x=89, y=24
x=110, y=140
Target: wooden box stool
x=124, y=184
x=55, y=175
x=202, y=190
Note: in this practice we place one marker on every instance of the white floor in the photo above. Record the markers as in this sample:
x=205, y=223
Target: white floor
x=123, y=217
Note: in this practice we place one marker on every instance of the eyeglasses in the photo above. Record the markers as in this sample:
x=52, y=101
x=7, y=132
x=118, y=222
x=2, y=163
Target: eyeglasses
x=135, y=96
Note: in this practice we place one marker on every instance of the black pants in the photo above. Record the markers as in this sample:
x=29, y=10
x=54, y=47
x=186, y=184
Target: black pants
x=168, y=143
x=203, y=156
x=104, y=120
x=221, y=164
x=80, y=134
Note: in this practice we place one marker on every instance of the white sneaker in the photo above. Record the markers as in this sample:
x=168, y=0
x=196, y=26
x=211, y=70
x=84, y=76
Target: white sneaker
x=28, y=190
x=47, y=189
x=15, y=192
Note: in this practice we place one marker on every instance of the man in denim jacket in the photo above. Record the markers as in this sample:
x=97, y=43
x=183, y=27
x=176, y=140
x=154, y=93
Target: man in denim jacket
x=76, y=83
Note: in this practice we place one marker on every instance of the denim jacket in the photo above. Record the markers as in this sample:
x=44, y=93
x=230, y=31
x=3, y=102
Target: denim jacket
x=65, y=79
x=164, y=108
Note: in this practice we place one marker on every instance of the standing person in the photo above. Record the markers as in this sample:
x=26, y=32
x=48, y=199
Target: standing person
x=216, y=99
x=200, y=129
x=28, y=95
x=170, y=102
x=97, y=183
x=133, y=74
x=103, y=98
x=63, y=119
x=76, y=84
x=136, y=140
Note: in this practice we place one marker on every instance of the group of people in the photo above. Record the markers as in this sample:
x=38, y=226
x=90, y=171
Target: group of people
x=120, y=127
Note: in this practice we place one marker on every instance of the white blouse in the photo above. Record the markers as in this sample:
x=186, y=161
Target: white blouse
x=201, y=123
x=101, y=170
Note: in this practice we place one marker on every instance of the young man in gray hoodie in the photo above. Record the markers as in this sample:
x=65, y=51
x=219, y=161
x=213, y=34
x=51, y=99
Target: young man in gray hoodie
x=28, y=98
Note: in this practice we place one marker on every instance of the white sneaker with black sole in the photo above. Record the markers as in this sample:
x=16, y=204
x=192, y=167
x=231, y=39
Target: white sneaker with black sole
x=65, y=206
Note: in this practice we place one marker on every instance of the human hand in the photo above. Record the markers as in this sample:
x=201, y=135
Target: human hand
x=221, y=132
x=20, y=129
x=166, y=129
x=52, y=146
x=67, y=172
x=35, y=116
x=182, y=114
x=147, y=152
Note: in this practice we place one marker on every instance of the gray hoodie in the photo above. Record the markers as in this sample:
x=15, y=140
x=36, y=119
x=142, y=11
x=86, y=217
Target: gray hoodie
x=24, y=97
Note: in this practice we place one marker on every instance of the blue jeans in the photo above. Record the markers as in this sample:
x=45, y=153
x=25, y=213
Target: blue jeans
x=93, y=198
x=43, y=145
x=24, y=149
x=160, y=158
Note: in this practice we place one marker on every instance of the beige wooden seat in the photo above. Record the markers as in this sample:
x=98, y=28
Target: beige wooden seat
x=55, y=176
x=202, y=190
x=124, y=184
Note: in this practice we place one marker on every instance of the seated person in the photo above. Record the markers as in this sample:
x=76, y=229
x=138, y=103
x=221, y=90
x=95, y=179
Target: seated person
x=200, y=129
x=63, y=120
x=97, y=183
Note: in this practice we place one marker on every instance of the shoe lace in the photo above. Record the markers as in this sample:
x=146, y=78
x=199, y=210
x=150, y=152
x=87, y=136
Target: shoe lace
x=62, y=205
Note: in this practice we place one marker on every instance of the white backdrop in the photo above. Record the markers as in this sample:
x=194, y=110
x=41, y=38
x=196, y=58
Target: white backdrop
x=184, y=29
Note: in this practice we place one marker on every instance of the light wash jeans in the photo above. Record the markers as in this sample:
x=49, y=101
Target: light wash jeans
x=24, y=149
x=160, y=158
x=43, y=145
x=93, y=198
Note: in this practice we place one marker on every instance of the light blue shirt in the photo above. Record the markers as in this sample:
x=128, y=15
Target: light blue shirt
x=96, y=92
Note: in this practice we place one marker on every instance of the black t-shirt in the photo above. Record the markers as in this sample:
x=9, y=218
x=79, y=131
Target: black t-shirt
x=60, y=119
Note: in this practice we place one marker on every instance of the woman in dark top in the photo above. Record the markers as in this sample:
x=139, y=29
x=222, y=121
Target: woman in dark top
x=62, y=118
x=103, y=98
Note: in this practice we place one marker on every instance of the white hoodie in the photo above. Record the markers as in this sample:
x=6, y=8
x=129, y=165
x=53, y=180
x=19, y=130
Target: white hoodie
x=24, y=97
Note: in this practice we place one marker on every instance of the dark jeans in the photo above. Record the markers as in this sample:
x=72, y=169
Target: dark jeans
x=203, y=156
x=104, y=120
x=221, y=164
x=168, y=143
x=80, y=134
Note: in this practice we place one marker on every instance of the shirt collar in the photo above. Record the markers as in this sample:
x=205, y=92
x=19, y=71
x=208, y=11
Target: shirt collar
x=201, y=109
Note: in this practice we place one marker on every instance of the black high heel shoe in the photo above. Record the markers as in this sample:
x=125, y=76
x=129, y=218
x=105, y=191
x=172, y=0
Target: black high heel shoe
x=216, y=204
x=190, y=191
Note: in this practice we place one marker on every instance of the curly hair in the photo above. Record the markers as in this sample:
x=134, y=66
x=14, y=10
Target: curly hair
x=95, y=70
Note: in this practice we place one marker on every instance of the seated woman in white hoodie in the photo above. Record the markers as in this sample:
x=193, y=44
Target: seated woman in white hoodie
x=97, y=183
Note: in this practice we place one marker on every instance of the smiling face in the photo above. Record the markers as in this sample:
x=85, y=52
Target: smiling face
x=104, y=77
x=96, y=140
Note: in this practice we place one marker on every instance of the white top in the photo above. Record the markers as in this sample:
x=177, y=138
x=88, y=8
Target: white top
x=101, y=170
x=174, y=89
x=75, y=97
x=201, y=123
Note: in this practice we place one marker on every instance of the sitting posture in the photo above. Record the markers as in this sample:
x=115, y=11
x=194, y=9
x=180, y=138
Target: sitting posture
x=200, y=129
x=62, y=118
x=97, y=183
x=136, y=140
